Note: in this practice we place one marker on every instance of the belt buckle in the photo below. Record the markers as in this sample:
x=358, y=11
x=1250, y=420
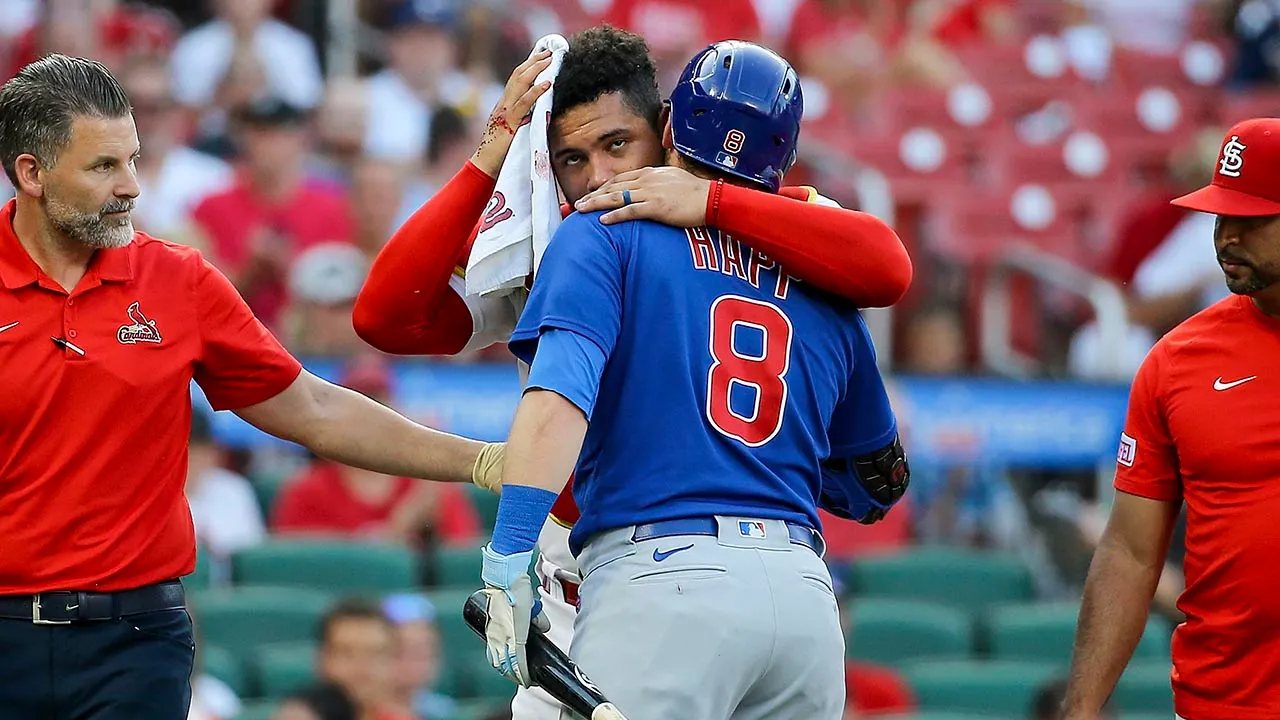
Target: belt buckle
x=35, y=614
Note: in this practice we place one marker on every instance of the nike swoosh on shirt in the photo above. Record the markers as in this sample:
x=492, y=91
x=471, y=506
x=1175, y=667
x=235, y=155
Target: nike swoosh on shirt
x=6, y=327
x=1219, y=385
x=659, y=556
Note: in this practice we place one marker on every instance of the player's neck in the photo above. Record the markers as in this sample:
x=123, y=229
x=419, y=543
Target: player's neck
x=63, y=259
x=1268, y=301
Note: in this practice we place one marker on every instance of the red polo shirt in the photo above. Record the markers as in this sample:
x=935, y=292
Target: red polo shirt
x=1201, y=429
x=93, y=447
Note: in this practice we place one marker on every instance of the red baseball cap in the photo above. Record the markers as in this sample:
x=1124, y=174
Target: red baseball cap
x=1246, y=182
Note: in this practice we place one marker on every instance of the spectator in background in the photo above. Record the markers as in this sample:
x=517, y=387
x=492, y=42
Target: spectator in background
x=243, y=32
x=418, y=661
x=323, y=283
x=224, y=507
x=108, y=31
x=676, y=29
x=340, y=129
x=318, y=702
x=1151, y=27
x=449, y=146
x=174, y=178
x=842, y=45
x=332, y=499
x=377, y=187
x=935, y=342
x=933, y=30
x=357, y=654
x=1164, y=259
x=255, y=229
x=1254, y=25
x=421, y=76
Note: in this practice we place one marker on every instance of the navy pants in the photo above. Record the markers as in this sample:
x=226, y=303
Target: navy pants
x=130, y=668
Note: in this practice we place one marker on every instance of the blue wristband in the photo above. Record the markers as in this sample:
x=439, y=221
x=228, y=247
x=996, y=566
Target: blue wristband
x=521, y=512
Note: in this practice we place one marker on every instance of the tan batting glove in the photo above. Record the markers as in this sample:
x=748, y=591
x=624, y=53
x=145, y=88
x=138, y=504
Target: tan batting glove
x=487, y=472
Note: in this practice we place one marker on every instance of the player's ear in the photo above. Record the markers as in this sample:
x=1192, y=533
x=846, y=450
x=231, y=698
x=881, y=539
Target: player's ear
x=664, y=120
x=27, y=168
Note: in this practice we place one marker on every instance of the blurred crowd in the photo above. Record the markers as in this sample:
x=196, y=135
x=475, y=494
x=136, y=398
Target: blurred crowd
x=289, y=139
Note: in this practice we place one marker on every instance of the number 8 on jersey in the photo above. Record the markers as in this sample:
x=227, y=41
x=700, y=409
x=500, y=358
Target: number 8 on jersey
x=763, y=375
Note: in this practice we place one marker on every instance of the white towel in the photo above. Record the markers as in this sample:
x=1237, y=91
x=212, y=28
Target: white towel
x=525, y=205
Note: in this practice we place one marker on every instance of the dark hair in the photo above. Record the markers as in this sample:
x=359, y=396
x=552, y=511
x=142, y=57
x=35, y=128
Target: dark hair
x=328, y=702
x=351, y=609
x=40, y=103
x=448, y=126
x=604, y=60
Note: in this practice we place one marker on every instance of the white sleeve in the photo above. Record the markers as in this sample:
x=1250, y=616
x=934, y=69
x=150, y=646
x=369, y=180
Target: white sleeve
x=493, y=318
x=198, y=63
x=290, y=62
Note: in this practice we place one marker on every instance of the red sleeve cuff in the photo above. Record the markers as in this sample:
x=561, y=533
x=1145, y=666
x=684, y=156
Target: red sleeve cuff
x=1161, y=492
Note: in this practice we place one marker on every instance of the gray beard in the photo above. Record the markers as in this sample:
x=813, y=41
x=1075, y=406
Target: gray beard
x=94, y=230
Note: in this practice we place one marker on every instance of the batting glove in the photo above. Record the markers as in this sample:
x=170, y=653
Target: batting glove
x=487, y=471
x=514, y=607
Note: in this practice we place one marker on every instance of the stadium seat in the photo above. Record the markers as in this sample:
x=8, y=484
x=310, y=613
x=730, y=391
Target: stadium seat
x=223, y=664
x=1046, y=631
x=202, y=578
x=477, y=709
x=979, y=686
x=256, y=710
x=483, y=683
x=459, y=641
x=892, y=631
x=336, y=566
x=1144, y=687
x=486, y=505
x=285, y=667
x=935, y=715
x=966, y=580
x=457, y=567
x=241, y=619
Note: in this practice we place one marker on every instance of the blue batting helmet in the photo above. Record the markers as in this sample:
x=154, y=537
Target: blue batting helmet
x=737, y=108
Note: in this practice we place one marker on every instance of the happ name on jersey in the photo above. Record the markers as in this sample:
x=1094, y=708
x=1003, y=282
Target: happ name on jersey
x=717, y=251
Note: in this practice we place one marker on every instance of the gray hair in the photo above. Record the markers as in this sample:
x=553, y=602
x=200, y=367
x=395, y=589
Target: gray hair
x=40, y=103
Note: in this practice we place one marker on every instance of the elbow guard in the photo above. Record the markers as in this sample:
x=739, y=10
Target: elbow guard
x=883, y=474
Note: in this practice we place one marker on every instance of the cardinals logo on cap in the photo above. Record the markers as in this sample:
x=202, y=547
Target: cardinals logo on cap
x=1232, y=160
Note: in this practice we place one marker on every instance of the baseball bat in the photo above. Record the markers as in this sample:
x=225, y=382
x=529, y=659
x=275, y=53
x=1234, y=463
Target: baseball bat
x=550, y=669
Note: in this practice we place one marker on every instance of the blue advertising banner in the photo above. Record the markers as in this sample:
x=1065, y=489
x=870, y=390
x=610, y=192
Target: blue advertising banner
x=1040, y=424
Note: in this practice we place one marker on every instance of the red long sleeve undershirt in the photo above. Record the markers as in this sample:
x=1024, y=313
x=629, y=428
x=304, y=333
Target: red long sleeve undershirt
x=851, y=254
x=407, y=308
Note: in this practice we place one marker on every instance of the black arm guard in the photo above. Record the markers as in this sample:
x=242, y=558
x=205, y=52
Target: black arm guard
x=883, y=473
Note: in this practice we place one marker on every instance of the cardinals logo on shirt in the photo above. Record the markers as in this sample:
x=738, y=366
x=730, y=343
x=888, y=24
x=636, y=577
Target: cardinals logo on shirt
x=141, y=329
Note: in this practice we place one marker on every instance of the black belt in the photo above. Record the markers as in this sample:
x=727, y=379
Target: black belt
x=64, y=607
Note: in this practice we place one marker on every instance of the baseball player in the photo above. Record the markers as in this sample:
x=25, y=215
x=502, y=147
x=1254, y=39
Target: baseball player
x=726, y=402
x=414, y=302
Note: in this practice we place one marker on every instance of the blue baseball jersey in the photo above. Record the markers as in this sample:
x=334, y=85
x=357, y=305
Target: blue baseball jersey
x=725, y=381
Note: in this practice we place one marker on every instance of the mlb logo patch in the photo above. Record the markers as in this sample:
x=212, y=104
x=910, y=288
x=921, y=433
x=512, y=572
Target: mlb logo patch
x=727, y=160
x=1128, y=450
x=751, y=529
